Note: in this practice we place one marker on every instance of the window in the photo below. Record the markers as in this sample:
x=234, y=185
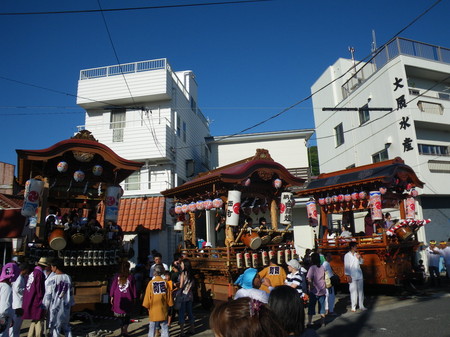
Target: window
x=190, y=167
x=178, y=126
x=184, y=132
x=380, y=156
x=434, y=150
x=339, y=133
x=133, y=182
x=364, y=114
x=432, y=108
x=193, y=105
x=443, y=95
x=117, y=124
x=414, y=92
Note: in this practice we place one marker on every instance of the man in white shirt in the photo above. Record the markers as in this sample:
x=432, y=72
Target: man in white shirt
x=352, y=268
x=444, y=251
x=18, y=287
x=158, y=260
x=433, y=263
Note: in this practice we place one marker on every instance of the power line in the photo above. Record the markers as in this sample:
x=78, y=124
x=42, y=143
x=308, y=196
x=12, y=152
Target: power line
x=131, y=8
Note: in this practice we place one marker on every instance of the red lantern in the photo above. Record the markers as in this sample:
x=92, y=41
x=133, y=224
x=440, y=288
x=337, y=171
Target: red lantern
x=321, y=201
x=362, y=195
x=348, y=197
x=208, y=204
x=355, y=196
x=340, y=197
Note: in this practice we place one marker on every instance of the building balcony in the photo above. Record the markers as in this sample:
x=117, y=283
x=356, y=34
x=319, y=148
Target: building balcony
x=128, y=84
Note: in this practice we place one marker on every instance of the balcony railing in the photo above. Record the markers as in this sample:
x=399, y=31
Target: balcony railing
x=394, y=48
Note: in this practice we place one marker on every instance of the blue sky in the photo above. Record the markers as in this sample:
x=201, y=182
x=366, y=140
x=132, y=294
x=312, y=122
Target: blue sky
x=251, y=60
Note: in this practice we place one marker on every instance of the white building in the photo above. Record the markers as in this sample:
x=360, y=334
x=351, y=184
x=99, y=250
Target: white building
x=144, y=111
x=412, y=79
x=289, y=148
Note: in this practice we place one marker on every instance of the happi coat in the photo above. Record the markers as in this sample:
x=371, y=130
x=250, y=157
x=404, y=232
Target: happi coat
x=33, y=295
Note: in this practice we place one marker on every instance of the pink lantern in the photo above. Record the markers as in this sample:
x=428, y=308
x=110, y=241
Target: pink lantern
x=97, y=170
x=200, y=206
x=217, y=203
x=62, y=167
x=414, y=193
x=340, y=197
x=410, y=208
x=208, y=204
x=321, y=201
x=246, y=182
x=335, y=198
x=192, y=206
x=355, y=196
x=375, y=205
x=362, y=195
x=348, y=197
x=178, y=209
x=78, y=176
x=185, y=208
x=383, y=190
x=277, y=183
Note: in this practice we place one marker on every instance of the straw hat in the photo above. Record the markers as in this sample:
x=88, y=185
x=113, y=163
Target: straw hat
x=43, y=261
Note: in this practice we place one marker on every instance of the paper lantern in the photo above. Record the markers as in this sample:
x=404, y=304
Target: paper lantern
x=62, y=166
x=328, y=200
x=217, y=203
x=200, y=206
x=383, y=190
x=334, y=198
x=414, y=193
x=286, y=205
x=33, y=191
x=341, y=197
x=112, y=200
x=97, y=170
x=178, y=209
x=375, y=205
x=311, y=209
x=410, y=208
x=208, y=204
x=192, y=206
x=277, y=183
x=233, y=207
x=185, y=208
x=355, y=196
x=78, y=176
x=348, y=197
x=321, y=201
x=362, y=195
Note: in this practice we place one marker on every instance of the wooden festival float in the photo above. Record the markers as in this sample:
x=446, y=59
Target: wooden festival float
x=256, y=186
x=79, y=177
x=389, y=254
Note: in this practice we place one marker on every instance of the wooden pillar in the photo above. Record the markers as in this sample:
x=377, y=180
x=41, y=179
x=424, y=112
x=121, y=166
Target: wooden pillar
x=402, y=209
x=193, y=228
x=41, y=230
x=274, y=214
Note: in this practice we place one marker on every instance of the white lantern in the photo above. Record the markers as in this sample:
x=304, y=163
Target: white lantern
x=33, y=191
x=286, y=205
x=208, y=204
x=97, y=170
x=78, y=176
x=112, y=199
x=375, y=205
x=233, y=207
x=217, y=203
x=62, y=166
x=178, y=226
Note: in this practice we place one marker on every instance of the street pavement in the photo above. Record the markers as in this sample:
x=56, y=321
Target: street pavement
x=426, y=312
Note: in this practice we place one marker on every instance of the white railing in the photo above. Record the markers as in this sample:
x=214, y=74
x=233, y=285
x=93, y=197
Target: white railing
x=125, y=68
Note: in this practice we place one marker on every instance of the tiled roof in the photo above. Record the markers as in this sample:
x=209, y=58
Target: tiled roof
x=9, y=201
x=145, y=211
x=11, y=223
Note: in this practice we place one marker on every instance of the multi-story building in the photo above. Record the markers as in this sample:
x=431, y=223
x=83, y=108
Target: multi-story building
x=396, y=104
x=145, y=111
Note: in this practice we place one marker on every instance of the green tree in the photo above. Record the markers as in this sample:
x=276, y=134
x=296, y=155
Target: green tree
x=313, y=160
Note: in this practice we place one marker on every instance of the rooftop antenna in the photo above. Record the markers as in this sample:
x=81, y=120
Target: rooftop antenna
x=352, y=52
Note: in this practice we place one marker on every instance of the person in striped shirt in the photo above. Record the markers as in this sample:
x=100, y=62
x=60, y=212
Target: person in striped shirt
x=295, y=278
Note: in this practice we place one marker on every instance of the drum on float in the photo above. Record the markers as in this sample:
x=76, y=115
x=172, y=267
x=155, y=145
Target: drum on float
x=56, y=239
x=78, y=237
x=96, y=237
x=404, y=233
x=251, y=240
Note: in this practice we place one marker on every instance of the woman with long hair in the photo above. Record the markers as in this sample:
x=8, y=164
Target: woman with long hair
x=123, y=294
x=186, y=287
x=245, y=317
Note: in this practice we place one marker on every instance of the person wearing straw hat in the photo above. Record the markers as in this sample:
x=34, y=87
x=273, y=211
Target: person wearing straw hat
x=433, y=263
x=32, y=298
x=10, y=272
